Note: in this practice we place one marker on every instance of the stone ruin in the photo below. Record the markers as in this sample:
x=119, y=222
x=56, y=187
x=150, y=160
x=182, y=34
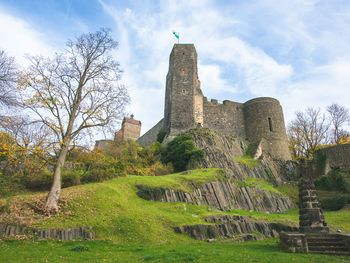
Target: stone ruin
x=313, y=235
x=311, y=218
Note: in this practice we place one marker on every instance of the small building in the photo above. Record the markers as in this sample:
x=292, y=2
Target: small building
x=131, y=130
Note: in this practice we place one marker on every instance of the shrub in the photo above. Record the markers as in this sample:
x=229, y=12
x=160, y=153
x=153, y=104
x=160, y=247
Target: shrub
x=9, y=184
x=99, y=174
x=180, y=152
x=334, y=203
x=41, y=181
x=335, y=180
x=161, y=135
x=71, y=177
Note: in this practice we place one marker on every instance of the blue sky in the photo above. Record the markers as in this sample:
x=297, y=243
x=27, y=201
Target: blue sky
x=297, y=51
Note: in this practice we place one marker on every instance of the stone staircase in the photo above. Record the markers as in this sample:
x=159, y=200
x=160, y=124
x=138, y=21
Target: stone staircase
x=327, y=244
x=314, y=236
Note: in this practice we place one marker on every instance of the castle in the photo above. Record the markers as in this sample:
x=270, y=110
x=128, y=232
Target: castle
x=258, y=121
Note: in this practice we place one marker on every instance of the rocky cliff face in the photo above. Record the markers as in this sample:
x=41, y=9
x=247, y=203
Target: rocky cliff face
x=229, y=226
x=221, y=151
x=224, y=195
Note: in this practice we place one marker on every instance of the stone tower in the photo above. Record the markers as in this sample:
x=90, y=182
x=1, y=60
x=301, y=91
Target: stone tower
x=264, y=126
x=130, y=130
x=183, y=97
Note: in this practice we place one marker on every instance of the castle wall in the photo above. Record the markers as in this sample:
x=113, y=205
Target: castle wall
x=337, y=156
x=103, y=145
x=151, y=136
x=226, y=118
x=264, y=124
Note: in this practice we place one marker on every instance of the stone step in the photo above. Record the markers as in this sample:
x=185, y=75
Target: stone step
x=340, y=253
x=328, y=248
x=331, y=244
x=324, y=240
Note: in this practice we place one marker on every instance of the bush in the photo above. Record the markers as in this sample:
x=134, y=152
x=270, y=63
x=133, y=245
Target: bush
x=40, y=181
x=334, y=203
x=180, y=152
x=9, y=184
x=335, y=180
x=161, y=135
x=71, y=177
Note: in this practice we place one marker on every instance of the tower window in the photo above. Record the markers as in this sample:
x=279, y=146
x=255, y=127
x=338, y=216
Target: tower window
x=270, y=124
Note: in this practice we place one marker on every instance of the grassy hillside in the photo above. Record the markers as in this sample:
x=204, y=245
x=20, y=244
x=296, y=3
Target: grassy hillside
x=131, y=229
x=114, y=209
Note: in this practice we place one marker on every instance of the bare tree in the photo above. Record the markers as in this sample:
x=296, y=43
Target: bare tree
x=75, y=91
x=307, y=132
x=339, y=116
x=8, y=75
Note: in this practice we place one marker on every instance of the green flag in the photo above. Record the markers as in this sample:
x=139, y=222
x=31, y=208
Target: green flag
x=176, y=34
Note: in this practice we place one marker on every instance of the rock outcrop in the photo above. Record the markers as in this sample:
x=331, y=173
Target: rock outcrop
x=223, y=195
x=60, y=234
x=222, y=151
x=237, y=227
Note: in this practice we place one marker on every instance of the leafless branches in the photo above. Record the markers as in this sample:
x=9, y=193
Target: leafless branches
x=75, y=91
x=307, y=131
x=8, y=74
x=339, y=116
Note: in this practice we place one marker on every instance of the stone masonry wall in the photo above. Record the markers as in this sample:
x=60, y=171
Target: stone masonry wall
x=151, y=136
x=264, y=121
x=182, y=89
x=131, y=131
x=225, y=118
x=337, y=156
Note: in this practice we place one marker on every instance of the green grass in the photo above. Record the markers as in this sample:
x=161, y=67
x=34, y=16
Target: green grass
x=116, y=212
x=248, y=161
x=131, y=229
x=258, y=183
x=290, y=190
x=107, y=251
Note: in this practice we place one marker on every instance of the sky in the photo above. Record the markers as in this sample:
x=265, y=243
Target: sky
x=297, y=51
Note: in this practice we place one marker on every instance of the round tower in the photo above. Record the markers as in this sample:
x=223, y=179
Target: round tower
x=264, y=124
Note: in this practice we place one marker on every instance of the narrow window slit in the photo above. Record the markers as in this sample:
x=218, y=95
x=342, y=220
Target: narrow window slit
x=270, y=124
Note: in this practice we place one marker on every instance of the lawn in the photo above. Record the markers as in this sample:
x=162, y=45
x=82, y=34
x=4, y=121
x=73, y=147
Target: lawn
x=107, y=251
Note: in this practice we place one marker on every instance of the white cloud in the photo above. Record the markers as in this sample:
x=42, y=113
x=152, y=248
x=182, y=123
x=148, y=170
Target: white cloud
x=18, y=37
x=151, y=37
x=319, y=87
x=289, y=51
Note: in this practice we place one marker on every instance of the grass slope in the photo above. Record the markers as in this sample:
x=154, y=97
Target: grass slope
x=130, y=229
x=115, y=211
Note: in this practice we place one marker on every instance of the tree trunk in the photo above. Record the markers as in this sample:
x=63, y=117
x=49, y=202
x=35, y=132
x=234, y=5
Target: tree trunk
x=53, y=197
